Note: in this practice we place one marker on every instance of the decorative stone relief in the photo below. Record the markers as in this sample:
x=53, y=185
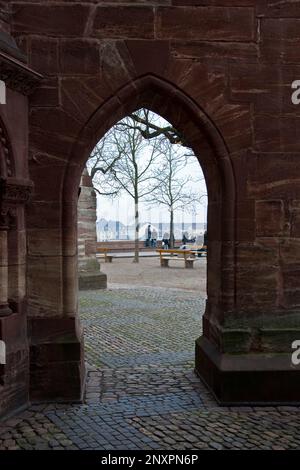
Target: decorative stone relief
x=18, y=76
x=15, y=191
x=6, y=166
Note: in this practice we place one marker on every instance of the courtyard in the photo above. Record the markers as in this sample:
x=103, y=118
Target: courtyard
x=141, y=390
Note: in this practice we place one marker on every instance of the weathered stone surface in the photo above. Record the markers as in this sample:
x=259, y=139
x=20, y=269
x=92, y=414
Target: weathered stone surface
x=221, y=72
x=269, y=218
x=89, y=273
x=280, y=37
x=71, y=53
x=201, y=50
x=56, y=351
x=50, y=19
x=203, y=23
x=44, y=55
x=124, y=22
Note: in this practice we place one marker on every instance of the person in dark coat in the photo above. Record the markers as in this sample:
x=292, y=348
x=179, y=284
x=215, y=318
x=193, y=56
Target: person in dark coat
x=148, y=235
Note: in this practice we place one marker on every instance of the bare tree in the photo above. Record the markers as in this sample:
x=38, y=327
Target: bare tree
x=171, y=187
x=124, y=162
x=152, y=126
x=108, y=151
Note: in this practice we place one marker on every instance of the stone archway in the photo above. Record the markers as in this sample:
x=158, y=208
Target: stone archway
x=103, y=60
x=168, y=101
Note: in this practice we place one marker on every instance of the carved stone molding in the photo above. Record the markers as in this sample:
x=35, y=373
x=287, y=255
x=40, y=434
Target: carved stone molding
x=9, y=46
x=6, y=168
x=17, y=75
x=15, y=191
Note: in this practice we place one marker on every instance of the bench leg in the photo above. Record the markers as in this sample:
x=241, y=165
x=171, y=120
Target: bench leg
x=164, y=263
x=189, y=264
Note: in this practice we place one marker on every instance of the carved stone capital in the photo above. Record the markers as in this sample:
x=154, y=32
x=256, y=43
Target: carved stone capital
x=15, y=191
x=5, y=311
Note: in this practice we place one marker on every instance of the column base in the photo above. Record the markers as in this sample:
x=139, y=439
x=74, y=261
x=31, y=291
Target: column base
x=248, y=379
x=5, y=311
x=57, y=371
x=14, y=374
x=92, y=281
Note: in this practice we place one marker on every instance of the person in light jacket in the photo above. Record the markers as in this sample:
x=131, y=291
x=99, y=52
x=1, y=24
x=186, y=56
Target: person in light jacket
x=154, y=238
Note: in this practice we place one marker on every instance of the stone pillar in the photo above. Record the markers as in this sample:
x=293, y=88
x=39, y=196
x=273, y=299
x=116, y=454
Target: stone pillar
x=90, y=276
x=14, y=365
x=4, y=308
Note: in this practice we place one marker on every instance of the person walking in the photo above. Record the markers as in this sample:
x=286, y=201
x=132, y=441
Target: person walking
x=148, y=235
x=166, y=240
x=185, y=238
x=154, y=238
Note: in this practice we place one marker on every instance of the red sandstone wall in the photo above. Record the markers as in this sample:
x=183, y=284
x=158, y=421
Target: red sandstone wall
x=4, y=18
x=225, y=69
x=231, y=57
x=13, y=329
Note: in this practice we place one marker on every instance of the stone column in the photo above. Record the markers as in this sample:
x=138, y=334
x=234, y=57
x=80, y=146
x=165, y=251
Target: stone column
x=90, y=276
x=4, y=308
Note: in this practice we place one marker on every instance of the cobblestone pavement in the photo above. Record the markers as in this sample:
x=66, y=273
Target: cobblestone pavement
x=141, y=390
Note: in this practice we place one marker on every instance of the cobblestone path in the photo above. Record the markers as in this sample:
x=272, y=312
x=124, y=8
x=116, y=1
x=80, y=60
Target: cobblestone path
x=141, y=390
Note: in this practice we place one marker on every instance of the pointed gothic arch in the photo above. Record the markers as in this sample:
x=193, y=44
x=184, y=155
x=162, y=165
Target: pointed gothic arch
x=208, y=145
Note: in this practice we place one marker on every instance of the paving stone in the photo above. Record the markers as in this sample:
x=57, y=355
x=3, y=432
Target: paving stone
x=141, y=391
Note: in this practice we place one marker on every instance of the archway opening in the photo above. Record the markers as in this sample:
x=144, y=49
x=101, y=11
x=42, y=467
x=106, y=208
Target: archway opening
x=145, y=325
x=150, y=92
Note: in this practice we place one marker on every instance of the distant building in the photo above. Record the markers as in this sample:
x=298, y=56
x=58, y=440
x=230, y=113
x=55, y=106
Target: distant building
x=116, y=230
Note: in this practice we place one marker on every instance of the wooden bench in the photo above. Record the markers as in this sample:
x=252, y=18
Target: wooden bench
x=202, y=251
x=176, y=255
x=197, y=250
x=103, y=253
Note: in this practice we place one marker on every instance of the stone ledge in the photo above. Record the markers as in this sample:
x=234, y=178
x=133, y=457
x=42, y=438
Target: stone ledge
x=92, y=281
x=248, y=379
x=57, y=371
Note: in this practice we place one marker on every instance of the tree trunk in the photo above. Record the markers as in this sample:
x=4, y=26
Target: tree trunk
x=171, y=228
x=137, y=232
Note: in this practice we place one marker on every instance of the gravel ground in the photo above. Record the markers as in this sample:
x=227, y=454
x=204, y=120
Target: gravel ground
x=149, y=273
